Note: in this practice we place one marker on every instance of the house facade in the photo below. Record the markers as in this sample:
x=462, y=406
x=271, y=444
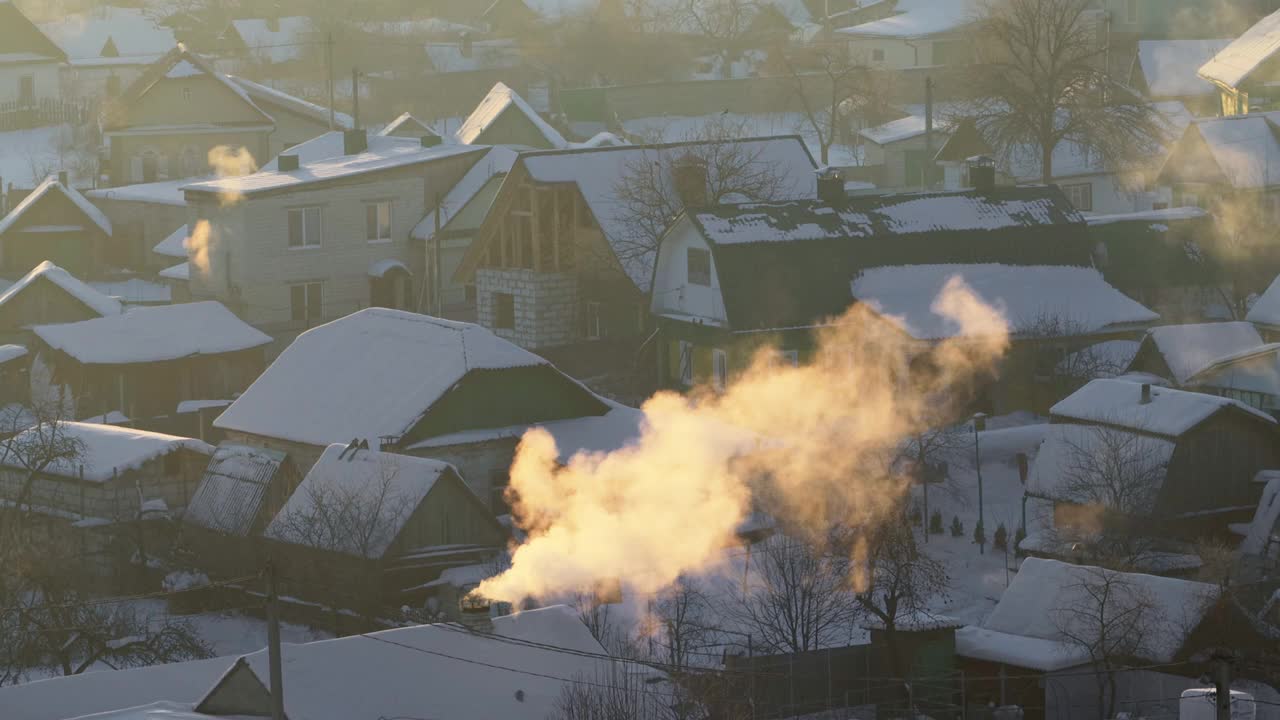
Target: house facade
x=560, y=260
x=54, y=223
x=48, y=294
x=30, y=63
x=107, y=49
x=1244, y=69
x=304, y=246
x=911, y=34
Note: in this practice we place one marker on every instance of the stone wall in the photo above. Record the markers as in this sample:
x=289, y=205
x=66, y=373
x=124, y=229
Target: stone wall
x=546, y=305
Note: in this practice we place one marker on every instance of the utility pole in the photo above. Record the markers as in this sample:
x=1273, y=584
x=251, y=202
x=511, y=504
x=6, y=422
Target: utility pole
x=328, y=67
x=273, y=645
x=437, y=297
x=928, y=133
x=924, y=477
x=979, y=424
x=355, y=98
x=1222, y=682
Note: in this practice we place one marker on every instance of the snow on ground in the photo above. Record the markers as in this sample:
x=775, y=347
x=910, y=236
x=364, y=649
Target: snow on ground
x=28, y=156
x=678, y=128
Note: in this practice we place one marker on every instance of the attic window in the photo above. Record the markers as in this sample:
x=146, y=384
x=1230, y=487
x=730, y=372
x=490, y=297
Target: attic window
x=699, y=263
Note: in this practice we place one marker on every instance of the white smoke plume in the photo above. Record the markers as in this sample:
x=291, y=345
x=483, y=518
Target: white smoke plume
x=812, y=445
x=227, y=161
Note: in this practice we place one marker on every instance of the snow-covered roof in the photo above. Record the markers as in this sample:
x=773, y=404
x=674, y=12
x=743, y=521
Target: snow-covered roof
x=448, y=57
x=176, y=64
x=9, y=353
x=905, y=128
x=180, y=272
x=497, y=161
x=616, y=429
x=1254, y=369
x=1108, y=358
x=917, y=18
x=1266, y=309
x=51, y=185
x=679, y=128
x=1246, y=148
x=377, y=158
x=599, y=171
x=276, y=41
x=331, y=146
x=1040, y=598
x=135, y=36
x=380, y=268
x=1234, y=63
x=175, y=245
x=1078, y=298
x=499, y=100
x=90, y=693
x=230, y=494
x=406, y=125
x=1171, y=413
x=1032, y=653
x=381, y=370
x=166, y=192
x=264, y=95
x=516, y=672
x=101, y=304
x=154, y=334
x=1170, y=66
x=380, y=490
x=1164, y=215
x=1264, y=530
x=914, y=621
x=110, y=449
x=1188, y=349
x=1071, y=453
x=416, y=26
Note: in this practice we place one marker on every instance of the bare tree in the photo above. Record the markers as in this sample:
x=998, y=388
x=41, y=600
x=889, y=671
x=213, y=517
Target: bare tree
x=1042, y=80
x=800, y=598
x=1112, y=620
x=353, y=517
x=833, y=89
x=710, y=167
x=618, y=692
x=32, y=450
x=723, y=25
x=683, y=623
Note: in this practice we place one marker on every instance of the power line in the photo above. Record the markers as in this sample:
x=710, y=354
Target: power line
x=124, y=598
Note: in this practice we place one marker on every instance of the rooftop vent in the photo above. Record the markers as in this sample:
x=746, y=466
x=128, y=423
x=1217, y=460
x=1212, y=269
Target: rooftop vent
x=982, y=173
x=431, y=140
x=1146, y=393
x=354, y=141
x=831, y=186
x=285, y=163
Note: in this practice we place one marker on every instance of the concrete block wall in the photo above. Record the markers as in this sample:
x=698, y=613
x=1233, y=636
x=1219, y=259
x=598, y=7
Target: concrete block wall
x=546, y=305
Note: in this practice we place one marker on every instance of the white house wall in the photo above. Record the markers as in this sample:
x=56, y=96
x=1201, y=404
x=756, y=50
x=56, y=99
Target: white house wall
x=672, y=293
x=47, y=81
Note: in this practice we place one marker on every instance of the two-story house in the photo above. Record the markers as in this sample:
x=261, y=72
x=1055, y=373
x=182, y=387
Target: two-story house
x=108, y=48
x=301, y=243
x=29, y=61
x=565, y=255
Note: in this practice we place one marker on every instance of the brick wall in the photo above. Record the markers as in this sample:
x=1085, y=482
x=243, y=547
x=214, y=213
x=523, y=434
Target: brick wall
x=546, y=305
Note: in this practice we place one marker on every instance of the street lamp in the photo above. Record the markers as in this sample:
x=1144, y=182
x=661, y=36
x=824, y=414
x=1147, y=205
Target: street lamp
x=979, y=425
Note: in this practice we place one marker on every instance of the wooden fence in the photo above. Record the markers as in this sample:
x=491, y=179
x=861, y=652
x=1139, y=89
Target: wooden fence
x=18, y=115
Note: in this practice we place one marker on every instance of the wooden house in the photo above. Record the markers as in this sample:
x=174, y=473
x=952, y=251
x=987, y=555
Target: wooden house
x=1182, y=462
x=29, y=65
x=119, y=473
x=1265, y=313
x=144, y=362
x=54, y=223
x=1227, y=359
x=390, y=506
x=1243, y=70
x=560, y=261
x=505, y=118
x=1021, y=655
x=417, y=384
x=46, y=295
x=1167, y=69
x=731, y=280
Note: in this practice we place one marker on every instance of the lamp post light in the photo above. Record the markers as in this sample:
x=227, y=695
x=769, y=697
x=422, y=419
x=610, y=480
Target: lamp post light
x=979, y=425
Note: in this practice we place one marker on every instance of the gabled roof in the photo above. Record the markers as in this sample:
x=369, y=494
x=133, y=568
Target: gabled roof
x=1266, y=309
x=235, y=483
x=264, y=95
x=1233, y=370
x=1237, y=61
x=501, y=100
x=1038, y=602
x=1170, y=414
x=137, y=38
x=175, y=245
x=90, y=298
x=1170, y=67
x=1188, y=349
x=1242, y=151
x=154, y=334
x=9, y=353
x=20, y=37
x=177, y=63
x=1064, y=300
x=378, y=491
x=517, y=671
x=380, y=370
x=1264, y=530
x=916, y=19
x=51, y=185
x=1064, y=457
x=496, y=162
x=108, y=450
x=180, y=272
x=277, y=44
x=406, y=125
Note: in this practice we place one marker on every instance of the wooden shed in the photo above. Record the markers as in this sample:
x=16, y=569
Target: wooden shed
x=46, y=295
x=55, y=222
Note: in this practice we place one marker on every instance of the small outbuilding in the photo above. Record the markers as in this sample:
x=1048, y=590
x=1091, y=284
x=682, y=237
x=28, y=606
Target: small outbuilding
x=55, y=222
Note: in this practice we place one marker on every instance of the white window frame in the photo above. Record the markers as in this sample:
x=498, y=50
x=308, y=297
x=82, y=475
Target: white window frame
x=376, y=207
x=303, y=213
x=1075, y=193
x=594, y=325
x=684, y=362
x=719, y=368
x=688, y=268
x=307, y=289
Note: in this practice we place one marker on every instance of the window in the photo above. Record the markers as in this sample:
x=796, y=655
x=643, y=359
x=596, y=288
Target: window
x=306, y=303
x=304, y=227
x=594, y=329
x=377, y=222
x=684, y=362
x=1080, y=195
x=504, y=311
x=720, y=367
x=877, y=55
x=789, y=357
x=27, y=91
x=186, y=94
x=699, y=265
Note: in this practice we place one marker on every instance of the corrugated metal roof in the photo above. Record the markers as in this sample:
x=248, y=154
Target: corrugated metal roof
x=233, y=488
